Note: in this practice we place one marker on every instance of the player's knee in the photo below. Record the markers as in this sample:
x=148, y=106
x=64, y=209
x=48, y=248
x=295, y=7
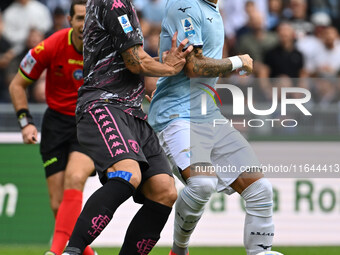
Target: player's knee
x=166, y=195
x=259, y=198
x=75, y=180
x=172, y=196
x=161, y=189
x=201, y=188
x=135, y=180
x=163, y=194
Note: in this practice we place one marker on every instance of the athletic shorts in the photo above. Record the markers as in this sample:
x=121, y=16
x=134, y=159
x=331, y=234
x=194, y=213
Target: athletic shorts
x=58, y=140
x=187, y=143
x=111, y=135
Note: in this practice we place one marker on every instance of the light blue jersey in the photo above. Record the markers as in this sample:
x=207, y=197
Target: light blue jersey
x=176, y=96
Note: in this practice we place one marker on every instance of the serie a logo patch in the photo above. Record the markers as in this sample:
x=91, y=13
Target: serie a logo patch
x=188, y=27
x=125, y=23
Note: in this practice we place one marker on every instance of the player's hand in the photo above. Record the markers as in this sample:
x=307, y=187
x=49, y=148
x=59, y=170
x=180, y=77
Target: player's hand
x=30, y=134
x=175, y=58
x=164, y=54
x=150, y=98
x=247, y=62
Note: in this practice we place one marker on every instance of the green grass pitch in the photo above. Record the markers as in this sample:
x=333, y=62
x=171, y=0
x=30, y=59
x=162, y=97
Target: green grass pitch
x=39, y=250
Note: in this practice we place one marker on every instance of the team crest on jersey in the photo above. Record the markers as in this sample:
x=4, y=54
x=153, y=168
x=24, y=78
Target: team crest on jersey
x=188, y=26
x=125, y=23
x=134, y=145
x=78, y=74
x=28, y=63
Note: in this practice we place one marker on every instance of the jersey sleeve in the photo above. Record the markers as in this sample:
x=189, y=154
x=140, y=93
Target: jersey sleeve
x=185, y=17
x=121, y=22
x=35, y=61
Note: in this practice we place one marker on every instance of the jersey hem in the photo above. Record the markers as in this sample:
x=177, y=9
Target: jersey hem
x=130, y=45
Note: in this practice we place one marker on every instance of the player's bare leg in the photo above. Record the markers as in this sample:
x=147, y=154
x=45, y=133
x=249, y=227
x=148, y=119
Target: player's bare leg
x=258, y=195
x=78, y=168
x=55, y=186
x=161, y=189
x=190, y=207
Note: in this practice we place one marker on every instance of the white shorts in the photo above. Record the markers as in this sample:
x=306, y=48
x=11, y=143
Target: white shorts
x=222, y=146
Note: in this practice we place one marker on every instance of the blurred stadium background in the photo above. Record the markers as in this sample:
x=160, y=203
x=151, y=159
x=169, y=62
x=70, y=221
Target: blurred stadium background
x=302, y=52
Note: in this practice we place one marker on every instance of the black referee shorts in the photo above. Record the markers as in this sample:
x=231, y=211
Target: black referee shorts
x=58, y=140
x=111, y=135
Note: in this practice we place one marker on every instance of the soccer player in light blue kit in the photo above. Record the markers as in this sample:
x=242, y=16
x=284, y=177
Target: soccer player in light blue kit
x=191, y=140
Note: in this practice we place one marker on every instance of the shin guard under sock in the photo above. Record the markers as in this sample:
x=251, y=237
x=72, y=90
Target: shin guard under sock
x=98, y=212
x=259, y=226
x=189, y=208
x=145, y=228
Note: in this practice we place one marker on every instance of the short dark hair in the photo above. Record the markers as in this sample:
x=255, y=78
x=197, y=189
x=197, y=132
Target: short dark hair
x=75, y=2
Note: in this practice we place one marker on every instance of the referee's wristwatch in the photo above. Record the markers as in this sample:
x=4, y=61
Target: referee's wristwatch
x=24, y=118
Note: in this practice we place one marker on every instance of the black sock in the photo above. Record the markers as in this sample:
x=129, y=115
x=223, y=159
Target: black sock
x=145, y=228
x=98, y=212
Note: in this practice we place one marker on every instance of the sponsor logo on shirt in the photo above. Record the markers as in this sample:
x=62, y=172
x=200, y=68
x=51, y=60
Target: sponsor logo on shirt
x=28, y=63
x=39, y=48
x=78, y=74
x=117, y=4
x=75, y=62
x=184, y=9
x=188, y=26
x=125, y=23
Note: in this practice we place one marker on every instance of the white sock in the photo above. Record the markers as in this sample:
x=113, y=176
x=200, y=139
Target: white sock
x=258, y=227
x=189, y=209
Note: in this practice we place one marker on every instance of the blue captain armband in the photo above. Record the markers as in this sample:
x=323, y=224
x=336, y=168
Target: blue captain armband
x=120, y=174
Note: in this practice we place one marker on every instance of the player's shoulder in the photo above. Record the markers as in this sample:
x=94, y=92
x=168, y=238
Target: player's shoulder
x=112, y=5
x=53, y=42
x=63, y=34
x=183, y=6
x=181, y=9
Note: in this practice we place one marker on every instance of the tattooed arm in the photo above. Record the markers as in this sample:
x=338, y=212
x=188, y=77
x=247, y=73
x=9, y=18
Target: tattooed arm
x=139, y=62
x=200, y=66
